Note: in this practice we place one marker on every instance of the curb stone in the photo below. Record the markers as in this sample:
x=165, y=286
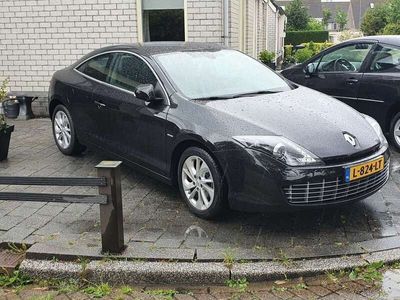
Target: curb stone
x=130, y=272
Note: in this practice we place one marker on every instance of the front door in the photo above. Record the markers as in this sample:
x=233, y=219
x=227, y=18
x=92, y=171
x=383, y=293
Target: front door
x=136, y=128
x=338, y=73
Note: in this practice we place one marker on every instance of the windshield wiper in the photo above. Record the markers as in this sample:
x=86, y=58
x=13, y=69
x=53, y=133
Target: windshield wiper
x=214, y=98
x=255, y=93
x=238, y=95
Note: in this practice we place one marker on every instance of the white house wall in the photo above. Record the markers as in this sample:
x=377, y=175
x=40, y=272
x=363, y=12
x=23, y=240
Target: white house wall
x=38, y=37
x=205, y=21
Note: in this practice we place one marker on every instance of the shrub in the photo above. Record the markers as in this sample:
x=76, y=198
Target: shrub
x=299, y=37
x=392, y=28
x=347, y=35
x=315, y=25
x=317, y=47
x=310, y=49
x=266, y=56
x=303, y=54
x=288, y=50
x=3, y=97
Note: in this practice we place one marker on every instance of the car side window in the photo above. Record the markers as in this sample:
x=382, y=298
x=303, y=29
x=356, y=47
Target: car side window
x=385, y=59
x=97, y=67
x=131, y=71
x=345, y=59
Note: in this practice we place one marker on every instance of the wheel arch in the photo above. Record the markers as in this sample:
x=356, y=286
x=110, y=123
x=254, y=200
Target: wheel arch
x=180, y=148
x=53, y=104
x=392, y=112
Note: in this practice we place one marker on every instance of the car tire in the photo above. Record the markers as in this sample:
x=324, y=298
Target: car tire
x=395, y=127
x=64, y=132
x=201, y=183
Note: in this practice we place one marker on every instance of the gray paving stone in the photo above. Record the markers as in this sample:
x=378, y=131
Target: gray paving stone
x=155, y=216
x=17, y=233
x=8, y=222
x=147, y=235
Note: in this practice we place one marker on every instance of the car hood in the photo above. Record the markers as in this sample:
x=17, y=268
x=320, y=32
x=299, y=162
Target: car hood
x=309, y=118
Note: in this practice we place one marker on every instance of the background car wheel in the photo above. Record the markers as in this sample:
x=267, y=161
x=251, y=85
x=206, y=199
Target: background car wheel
x=64, y=132
x=395, y=131
x=200, y=183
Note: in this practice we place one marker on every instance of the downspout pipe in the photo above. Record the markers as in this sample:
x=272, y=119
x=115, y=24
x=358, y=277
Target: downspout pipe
x=226, y=22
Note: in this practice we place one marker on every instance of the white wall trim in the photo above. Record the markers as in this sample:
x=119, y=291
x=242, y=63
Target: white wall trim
x=272, y=6
x=139, y=13
x=186, y=20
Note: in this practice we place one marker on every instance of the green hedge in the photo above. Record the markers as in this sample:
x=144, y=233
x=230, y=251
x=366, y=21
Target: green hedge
x=299, y=37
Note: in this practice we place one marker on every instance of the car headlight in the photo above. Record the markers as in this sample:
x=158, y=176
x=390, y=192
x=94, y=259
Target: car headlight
x=280, y=148
x=375, y=125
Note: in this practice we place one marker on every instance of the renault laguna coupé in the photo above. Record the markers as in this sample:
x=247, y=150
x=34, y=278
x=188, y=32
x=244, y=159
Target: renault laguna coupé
x=222, y=126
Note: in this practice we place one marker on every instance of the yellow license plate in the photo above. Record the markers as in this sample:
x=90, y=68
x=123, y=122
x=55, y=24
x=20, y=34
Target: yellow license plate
x=365, y=169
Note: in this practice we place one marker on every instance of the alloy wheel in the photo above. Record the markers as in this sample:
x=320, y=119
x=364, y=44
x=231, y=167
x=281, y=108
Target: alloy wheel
x=396, y=132
x=62, y=129
x=198, y=182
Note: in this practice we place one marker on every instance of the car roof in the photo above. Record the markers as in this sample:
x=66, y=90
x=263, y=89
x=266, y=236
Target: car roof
x=153, y=48
x=386, y=39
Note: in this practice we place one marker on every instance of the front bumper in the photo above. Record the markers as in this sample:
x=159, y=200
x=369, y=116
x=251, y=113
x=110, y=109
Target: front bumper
x=258, y=183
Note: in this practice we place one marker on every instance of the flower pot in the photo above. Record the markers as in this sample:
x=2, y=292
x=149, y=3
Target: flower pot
x=5, y=136
x=11, y=109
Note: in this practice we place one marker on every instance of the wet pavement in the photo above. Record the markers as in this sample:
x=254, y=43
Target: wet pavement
x=158, y=225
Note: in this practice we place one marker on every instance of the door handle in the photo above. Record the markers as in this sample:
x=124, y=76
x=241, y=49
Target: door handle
x=352, y=81
x=99, y=104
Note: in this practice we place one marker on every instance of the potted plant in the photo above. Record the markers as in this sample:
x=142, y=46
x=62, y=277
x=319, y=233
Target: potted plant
x=267, y=57
x=5, y=130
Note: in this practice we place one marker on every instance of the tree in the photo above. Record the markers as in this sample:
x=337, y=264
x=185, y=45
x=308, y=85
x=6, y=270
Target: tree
x=374, y=20
x=393, y=11
x=383, y=19
x=314, y=25
x=297, y=16
x=326, y=16
x=341, y=19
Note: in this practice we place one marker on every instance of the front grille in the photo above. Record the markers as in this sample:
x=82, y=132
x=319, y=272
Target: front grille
x=336, y=190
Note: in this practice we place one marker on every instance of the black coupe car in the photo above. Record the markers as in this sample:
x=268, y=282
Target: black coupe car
x=219, y=124
x=364, y=73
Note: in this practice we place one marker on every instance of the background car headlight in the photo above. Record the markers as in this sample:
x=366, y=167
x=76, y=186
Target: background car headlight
x=280, y=148
x=377, y=128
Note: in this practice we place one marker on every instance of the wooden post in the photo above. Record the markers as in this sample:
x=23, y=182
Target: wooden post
x=111, y=218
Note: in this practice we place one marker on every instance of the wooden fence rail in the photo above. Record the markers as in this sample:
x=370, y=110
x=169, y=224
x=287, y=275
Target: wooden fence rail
x=109, y=198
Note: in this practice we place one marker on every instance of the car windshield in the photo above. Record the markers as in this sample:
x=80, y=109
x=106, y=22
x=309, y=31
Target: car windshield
x=219, y=74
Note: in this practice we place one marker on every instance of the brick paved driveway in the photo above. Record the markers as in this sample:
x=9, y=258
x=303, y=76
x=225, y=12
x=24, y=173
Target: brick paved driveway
x=156, y=218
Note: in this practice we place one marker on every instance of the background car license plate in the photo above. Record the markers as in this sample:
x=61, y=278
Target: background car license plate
x=364, y=169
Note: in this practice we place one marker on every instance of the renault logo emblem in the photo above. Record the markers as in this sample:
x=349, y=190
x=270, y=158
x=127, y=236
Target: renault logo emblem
x=350, y=139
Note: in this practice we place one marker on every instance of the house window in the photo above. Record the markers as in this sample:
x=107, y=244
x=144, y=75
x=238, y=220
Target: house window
x=163, y=20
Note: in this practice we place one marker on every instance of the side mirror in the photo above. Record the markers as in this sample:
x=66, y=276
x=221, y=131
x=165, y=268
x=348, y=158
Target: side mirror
x=309, y=69
x=146, y=92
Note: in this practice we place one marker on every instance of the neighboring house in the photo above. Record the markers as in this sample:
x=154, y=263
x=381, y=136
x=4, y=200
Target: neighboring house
x=355, y=10
x=276, y=30
x=334, y=7
x=38, y=37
